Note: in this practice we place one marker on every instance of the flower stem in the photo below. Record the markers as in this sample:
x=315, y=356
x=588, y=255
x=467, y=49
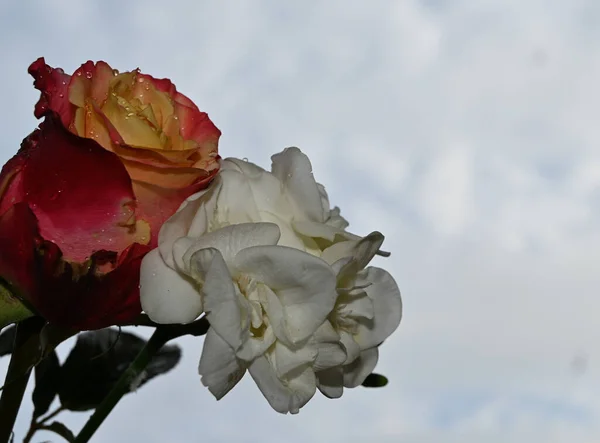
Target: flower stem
x=161, y=335
x=157, y=340
x=17, y=376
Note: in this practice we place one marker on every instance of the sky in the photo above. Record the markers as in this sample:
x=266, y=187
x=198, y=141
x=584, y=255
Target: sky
x=465, y=131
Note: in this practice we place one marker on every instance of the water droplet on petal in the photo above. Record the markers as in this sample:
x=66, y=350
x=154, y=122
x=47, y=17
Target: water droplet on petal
x=245, y=159
x=115, y=72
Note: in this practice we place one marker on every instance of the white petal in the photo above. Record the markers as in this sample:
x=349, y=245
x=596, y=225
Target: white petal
x=254, y=347
x=325, y=201
x=329, y=355
x=330, y=350
x=220, y=370
x=232, y=239
x=242, y=166
x=336, y=220
x=225, y=310
x=356, y=372
x=166, y=295
x=362, y=251
x=321, y=230
x=289, y=360
x=283, y=398
x=352, y=348
x=236, y=203
x=178, y=225
x=387, y=307
x=266, y=189
x=331, y=382
x=294, y=170
x=357, y=308
x=304, y=286
x=289, y=237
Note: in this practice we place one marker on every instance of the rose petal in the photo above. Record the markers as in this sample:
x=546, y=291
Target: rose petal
x=321, y=230
x=233, y=239
x=56, y=172
x=167, y=296
x=254, y=347
x=53, y=84
x=190, y=219
x=331, y=382
x=387, y=306
x=267, y=196
x=351, y=347
x=356, y=372
x=331, y=352
x=224, y=310
x=301, y=288
x=220, y=370
x=283, y=398
x=290, y=360
x=294, y=170
x=362, y=251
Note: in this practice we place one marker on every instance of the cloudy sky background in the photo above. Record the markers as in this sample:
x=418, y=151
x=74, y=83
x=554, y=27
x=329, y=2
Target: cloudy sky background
x=466, y=131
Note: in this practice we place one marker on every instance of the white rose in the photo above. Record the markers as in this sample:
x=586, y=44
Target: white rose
x=288, y=196
x=368, y=310
x=267, y=306
x=283, y=285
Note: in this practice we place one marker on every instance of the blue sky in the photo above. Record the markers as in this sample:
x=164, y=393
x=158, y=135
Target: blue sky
x=465, y=131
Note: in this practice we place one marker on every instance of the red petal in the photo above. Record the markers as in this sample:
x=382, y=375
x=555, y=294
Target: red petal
x=195, y=125
x=54, y=85
x=91, y=300
x=76, y=296
x=156, y=204
x=19, y=238
x=80, y=193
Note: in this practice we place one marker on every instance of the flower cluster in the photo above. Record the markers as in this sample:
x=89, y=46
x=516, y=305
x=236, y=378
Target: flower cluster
x=119, y=202
x=287, y=290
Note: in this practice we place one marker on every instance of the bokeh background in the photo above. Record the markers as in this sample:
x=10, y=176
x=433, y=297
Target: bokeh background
x=466, y=131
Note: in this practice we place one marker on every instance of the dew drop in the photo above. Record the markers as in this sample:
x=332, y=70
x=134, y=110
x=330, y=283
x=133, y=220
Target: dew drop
x=88, y=74
x=245, y=159
x=115, y=72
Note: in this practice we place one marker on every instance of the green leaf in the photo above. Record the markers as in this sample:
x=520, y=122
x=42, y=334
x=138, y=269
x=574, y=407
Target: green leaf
x=60, y=429
x=11, y=309
x=374, y=380
x=98, y=360
x=47, y=381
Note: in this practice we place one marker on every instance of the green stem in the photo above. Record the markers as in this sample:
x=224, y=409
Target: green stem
x=17, y=376
x=161, y=335
x=157, y=340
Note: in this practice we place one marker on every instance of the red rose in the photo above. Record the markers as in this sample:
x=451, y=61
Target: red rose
x=84, y=198
x=167, y=145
